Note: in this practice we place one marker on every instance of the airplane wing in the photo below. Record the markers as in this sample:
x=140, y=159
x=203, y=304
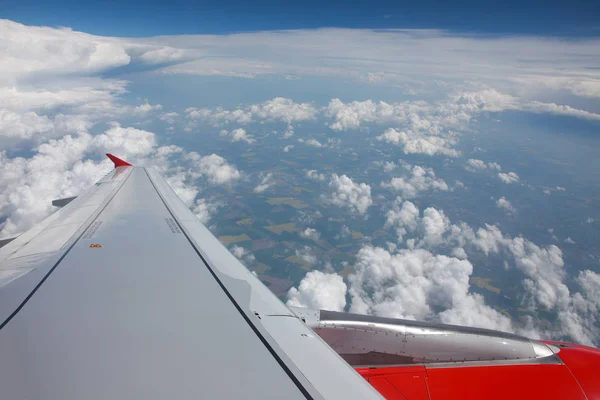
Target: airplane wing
x=124, y=294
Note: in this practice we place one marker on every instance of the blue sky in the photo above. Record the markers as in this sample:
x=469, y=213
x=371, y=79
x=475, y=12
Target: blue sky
x=158, y=17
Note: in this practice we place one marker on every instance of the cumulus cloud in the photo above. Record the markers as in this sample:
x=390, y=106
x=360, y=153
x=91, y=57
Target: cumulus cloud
x=169, y=117
x=509, y=178
x=355, y=197
x=310, y=233
x=214, y=167
x=278, y=109
x=417, y=283
x=307, y=255
x=311, y=142
x=389, y=166
x=543, y=267
x=266, y=182
x=238, y=135
x=203, y=209
x=62, y=168
x=127, y=142
x=419, y=179
x=287, y=148
x=418, y=143
x=474, y=164
x=505, y=205
x=403, y=218
x=411, y=284
x=407, y=219
x=319, y=290
x=219, y=116
x=315, y=176
x=285, y=110
x=242, y=254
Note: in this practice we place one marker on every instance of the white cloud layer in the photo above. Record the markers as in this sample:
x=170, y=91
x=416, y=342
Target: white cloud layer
x=266, y=182
x=319, y=290
x=214, y=167
x=310, y=233
x=346, y=193
x=419, y=179
x=417, y=283
x=505, y=205
x=278, y=109
x=238, y=135
x=474, y=164
x=509, y=178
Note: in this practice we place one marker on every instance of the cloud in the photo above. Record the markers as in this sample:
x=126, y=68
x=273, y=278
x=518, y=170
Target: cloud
x=310, y=233
x=313, y=142
x=419, y=179
x=397, y=58
x=319, y=290
x=414, y=284
x=23, y=125
x=553, y=108
x=505, y=205
x=214, y=167
x=315, y=176
x=355, y=197
x=265, y=183
x=61, y=168
x=418, y=143
x=509, y=178
x=126, y=142
x=404, y=219
x=389, y=166
x=237, y=135
x=287, y=148
x=307, y=255
x=55, y=51
x=286, y=110
x=474, y=164
x=245, y=256
x=543, y=267
x=332, y=143
x=278, y=109
x=204, y=209
x=417, y=283
x=146, y=108
x=169, y=117
x=219, y=116
x=494, y=101
x=580, y=319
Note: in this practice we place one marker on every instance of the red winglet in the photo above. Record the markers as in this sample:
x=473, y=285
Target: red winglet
x=118, y=162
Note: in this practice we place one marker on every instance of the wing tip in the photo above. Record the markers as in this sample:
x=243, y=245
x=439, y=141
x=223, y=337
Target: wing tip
x=117, y=161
